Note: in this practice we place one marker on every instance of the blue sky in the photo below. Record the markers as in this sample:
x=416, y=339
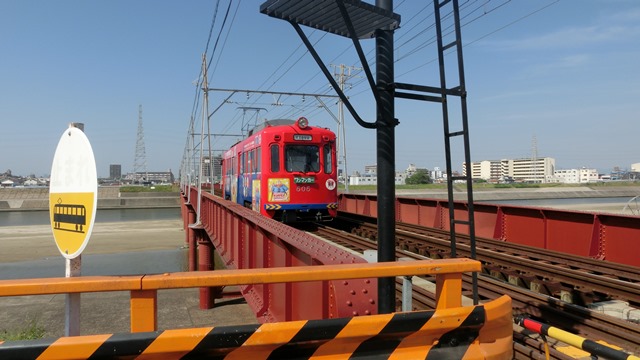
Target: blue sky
x=562, y=72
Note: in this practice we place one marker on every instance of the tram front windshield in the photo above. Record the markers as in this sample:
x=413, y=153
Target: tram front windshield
x=302, y=158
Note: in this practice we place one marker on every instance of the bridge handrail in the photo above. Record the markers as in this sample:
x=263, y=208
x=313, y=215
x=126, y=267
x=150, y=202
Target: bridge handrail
x=143, y=288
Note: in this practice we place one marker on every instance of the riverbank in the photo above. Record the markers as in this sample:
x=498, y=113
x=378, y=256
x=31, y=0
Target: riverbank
x=33, y=242
x=535, y=197
x=491, y=194
x=18, y=199
x=113, y=244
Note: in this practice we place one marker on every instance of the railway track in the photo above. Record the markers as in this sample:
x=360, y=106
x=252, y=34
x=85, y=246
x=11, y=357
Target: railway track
x=571, y=317
x=572, y=278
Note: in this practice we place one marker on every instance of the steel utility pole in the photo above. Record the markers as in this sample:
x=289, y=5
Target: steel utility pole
x=342, y=139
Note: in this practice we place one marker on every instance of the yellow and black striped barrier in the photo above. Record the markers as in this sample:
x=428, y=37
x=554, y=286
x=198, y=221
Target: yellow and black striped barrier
x=589, y=346
x=465, y=332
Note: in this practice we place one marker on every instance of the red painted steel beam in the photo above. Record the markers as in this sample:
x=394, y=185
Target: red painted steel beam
x=245, y=239
x=602, y=236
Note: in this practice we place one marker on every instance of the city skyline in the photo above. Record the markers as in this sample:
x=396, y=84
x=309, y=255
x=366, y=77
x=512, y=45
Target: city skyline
x=533, y=69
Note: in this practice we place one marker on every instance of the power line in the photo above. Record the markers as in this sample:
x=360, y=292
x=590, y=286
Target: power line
x=224, y=21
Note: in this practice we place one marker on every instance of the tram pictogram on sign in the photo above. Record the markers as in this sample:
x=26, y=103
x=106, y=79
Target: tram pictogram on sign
x=70, y=217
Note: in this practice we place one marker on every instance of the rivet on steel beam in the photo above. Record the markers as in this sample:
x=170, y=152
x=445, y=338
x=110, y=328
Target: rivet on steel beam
x=345, y=283
x=367, y=312
x=355, y=313
x=371, y=301
x=364, y=291
x=352, y=292
x=349, y=303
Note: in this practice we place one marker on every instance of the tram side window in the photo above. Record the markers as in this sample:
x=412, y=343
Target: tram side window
x=328, y=163
x=259, y=160
x=275, y=158
x=254, y=161
x=234, y=165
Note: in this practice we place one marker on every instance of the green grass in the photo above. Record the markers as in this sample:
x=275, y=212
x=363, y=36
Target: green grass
x=152, y=188
x=31, y=331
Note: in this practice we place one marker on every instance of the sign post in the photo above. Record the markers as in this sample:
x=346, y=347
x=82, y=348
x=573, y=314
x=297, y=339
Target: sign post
x=73, y=197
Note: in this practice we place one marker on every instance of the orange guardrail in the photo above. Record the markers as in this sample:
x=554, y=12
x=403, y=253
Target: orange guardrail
x=478, y=332
x=143, y=288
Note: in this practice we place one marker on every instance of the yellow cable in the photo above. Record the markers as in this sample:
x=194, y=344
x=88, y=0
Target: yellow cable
x=546, y=347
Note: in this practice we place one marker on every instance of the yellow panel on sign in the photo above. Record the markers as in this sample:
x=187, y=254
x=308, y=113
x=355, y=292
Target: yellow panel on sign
x=71, y=215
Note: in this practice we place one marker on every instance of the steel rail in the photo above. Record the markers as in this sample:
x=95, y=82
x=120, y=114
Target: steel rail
x=578, y=319
x=602, y=267
x=592, y=279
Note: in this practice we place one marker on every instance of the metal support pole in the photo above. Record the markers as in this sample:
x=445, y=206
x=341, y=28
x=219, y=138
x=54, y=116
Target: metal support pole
x=407, y=289
x=184, y=213
x=73, y=268
x=191, y=238
x=407, y=293
x=385, y=139
x=205, y=263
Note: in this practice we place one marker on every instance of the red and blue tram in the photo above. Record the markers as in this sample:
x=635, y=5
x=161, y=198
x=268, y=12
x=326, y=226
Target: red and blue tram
x=285, y=170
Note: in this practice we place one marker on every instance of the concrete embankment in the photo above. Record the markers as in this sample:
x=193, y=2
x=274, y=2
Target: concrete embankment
x=111, y=198
x=16, y=199
x=521, y=193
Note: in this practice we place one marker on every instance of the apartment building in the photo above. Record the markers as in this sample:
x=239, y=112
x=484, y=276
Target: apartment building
x=526, y=170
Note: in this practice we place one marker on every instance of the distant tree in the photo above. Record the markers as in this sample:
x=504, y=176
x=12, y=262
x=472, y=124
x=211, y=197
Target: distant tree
x=421, y=176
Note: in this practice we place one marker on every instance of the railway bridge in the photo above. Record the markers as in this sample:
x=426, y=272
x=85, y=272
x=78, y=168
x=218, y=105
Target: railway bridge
x=314, y=297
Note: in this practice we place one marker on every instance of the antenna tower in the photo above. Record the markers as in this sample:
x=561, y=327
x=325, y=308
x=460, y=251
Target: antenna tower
x=140, y=161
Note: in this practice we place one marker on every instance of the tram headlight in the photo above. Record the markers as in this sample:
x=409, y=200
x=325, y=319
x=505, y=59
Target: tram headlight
x=303, y=122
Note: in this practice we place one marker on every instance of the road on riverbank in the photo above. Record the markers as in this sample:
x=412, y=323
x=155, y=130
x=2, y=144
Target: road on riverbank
x=104, y=313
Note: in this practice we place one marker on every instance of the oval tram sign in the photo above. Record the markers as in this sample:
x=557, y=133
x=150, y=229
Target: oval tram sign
x=73, y=192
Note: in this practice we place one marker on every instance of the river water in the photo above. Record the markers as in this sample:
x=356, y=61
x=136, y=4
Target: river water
x=41, y=217
x=132, y=263
x=173, y=260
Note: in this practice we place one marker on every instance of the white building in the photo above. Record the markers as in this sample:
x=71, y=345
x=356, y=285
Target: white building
x=525, y=170
x=437, y=174
x=372, y=179
x=635, y=167
x=489, y=170
x=575, y=176
x=371, y=169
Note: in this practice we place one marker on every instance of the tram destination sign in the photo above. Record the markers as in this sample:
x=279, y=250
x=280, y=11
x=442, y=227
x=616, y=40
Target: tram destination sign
x=73, y=193
x=304, y=180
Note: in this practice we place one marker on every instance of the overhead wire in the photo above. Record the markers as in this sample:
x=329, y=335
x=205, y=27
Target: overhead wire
x=432, y=40
x=224, y=43
x=419, y=20
x=196, y=103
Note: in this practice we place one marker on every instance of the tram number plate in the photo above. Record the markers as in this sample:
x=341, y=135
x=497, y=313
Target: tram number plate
x=301, y=137
x=304, y=180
